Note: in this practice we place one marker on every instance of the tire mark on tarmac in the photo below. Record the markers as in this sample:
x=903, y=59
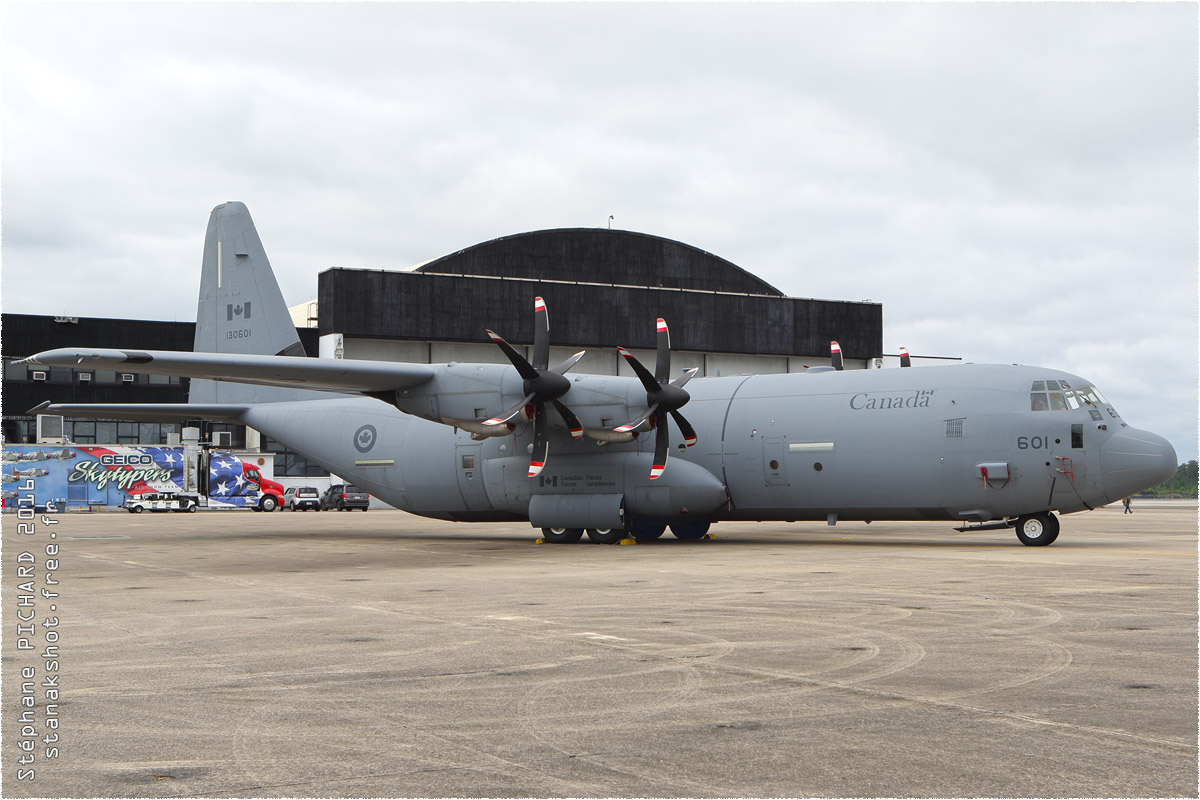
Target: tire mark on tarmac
x=889, y=697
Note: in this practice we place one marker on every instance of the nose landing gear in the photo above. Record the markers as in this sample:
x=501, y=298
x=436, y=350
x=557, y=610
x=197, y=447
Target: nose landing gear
x=1037, y=530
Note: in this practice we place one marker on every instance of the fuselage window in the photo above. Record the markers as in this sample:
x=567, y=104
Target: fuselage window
x=1076, y=436
x=1038, y=401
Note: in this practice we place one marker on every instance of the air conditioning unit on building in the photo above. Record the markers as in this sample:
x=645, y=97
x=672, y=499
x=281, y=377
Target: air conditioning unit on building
x=38, y=375
x=126, y=377
x=50, y=429
x=223, y=439
x=85, y=377
x=174, y=439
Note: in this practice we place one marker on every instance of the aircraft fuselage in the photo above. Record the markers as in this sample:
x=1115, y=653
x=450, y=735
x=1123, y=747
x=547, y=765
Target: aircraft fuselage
x=938, y=443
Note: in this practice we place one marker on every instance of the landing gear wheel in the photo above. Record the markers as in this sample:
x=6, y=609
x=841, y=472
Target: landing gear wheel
x=690, y=530
x=560, y=535
x=646, y=531
x=268, y=503
x=1037, y=530
x=606, y=535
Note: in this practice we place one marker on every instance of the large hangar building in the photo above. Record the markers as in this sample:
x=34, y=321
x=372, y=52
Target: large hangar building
x=603, y=288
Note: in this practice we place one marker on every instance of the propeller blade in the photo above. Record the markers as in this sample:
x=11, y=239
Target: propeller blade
x=637, y=423
x=541, y=334
x=562, y=368
x=647, y=379
x=687, y=375
x=662, y=441
x=905, y=361
x=523, y=367
x=541, y=443
x=507, y=414
x=662, y=363
x=835, y=354
x=685, y=427
x=569, y=417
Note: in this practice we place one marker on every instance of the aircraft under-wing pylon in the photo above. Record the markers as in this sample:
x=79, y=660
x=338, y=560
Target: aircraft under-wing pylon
x=984, y=446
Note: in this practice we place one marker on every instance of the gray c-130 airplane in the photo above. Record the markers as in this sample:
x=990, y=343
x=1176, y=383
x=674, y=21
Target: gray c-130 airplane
x=986, y=446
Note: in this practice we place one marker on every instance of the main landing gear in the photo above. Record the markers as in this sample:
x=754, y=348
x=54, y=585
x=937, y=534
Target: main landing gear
x=639, y=530
x=1037, y=530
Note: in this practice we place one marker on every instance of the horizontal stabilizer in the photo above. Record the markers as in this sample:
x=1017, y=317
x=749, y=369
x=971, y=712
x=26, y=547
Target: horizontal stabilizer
x=144, y=412
x=327, y=374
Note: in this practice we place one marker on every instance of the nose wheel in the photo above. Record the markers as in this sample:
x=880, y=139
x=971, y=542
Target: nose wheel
x=1037, y=530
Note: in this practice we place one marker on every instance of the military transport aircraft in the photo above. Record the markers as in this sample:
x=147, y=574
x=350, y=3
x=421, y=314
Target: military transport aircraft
x=986, y=446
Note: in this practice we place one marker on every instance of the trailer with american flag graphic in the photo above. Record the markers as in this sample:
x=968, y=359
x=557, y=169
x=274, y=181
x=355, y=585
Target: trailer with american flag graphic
x=140, y=477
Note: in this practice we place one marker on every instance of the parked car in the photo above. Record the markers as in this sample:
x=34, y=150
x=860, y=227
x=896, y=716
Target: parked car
x=343, y=497
x=153, y=501
x=302, y=498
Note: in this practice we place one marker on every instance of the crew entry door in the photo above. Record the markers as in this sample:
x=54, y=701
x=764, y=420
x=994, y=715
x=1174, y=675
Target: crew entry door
x=469, y=467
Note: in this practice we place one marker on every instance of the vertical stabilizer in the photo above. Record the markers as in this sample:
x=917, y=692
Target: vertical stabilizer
x=241, y=309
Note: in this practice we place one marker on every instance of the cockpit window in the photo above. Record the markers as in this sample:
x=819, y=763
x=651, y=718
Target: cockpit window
x=1059, y=396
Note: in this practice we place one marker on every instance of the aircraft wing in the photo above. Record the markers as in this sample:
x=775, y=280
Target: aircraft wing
x=326, y=374
x=144, y=412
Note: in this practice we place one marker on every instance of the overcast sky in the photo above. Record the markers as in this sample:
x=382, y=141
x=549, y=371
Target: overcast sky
x=1014, y=182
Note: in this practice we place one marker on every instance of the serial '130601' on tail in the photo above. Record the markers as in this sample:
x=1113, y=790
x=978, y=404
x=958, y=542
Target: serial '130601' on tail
x=986, y=446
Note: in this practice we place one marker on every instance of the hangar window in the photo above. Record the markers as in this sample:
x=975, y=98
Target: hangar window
x=15, y=372
x=290, y=464
x=127, y=433
x=83, y=432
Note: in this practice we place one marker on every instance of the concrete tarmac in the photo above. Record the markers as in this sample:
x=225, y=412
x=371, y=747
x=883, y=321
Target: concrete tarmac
x=233, y=654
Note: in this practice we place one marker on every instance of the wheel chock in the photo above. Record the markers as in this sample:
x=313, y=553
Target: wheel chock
x=539, y=540
x=710, y=536
x=628, y=540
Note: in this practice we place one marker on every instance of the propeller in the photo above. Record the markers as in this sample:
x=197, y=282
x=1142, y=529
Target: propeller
x=835, y=354
x=661, y=400
x=905, y=361
x=542, y=385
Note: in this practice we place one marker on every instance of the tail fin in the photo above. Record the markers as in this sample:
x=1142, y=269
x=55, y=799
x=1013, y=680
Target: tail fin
x=241, y=309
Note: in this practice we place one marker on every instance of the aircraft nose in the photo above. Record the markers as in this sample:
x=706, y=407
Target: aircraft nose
x=1132, y=460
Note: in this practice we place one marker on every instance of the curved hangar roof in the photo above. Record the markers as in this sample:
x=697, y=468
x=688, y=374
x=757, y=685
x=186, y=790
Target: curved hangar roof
x=608, y=256
x=603, y=288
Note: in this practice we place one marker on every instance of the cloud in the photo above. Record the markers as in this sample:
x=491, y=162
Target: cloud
x=1015, y=182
